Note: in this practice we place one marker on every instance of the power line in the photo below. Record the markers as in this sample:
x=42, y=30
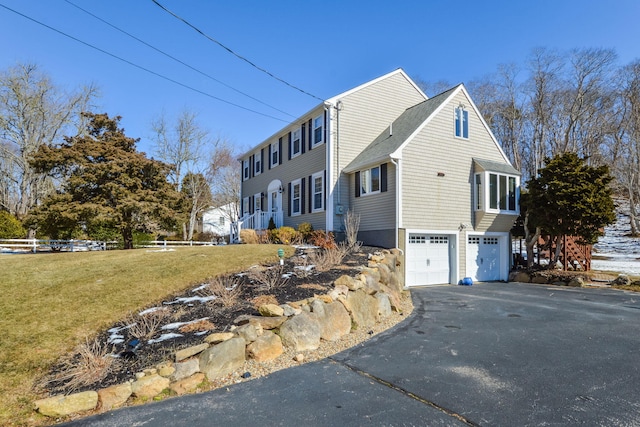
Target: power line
x=234, y=53
x=141, y=67
x=177, y=60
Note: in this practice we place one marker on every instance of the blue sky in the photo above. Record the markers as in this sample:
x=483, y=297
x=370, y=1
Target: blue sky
x=323, y=48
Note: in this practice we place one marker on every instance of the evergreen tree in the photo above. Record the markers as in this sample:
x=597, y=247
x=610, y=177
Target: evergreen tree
x=106, y=182
x=570, y=198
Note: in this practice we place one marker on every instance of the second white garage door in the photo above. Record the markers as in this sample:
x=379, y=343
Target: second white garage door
x=484, y=254
x=428, y=259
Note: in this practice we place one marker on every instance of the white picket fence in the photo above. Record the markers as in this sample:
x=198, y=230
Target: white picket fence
x=39, y=245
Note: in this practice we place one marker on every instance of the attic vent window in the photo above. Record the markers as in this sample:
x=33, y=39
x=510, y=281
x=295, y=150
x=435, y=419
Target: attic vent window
x=461, y=118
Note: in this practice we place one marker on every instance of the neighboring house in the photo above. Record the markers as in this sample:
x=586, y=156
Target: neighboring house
x=218, y=220
x=425, y=175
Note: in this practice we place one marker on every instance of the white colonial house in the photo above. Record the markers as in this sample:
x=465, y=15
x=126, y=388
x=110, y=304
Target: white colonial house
x=218, y=220
x=426, y=175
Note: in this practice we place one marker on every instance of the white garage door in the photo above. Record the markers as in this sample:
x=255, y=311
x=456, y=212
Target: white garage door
x=427, y=259
x=483, y=258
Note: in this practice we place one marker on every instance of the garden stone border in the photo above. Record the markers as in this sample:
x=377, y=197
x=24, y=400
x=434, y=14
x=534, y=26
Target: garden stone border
x=354, y=302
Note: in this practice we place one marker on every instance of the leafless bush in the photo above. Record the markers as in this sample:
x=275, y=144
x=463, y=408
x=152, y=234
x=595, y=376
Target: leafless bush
x=351, y=227
x=89, y=366
x=326, y=259
x=144, y=326
x=226, y=291
x=302, y=267
x=270, y=277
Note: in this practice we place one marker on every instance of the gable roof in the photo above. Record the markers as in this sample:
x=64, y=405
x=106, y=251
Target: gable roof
x=401, y=130
x=491, y=166
x=329, y=102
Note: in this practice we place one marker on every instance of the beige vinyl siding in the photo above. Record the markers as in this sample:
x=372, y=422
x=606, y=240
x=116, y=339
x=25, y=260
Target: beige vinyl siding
x=443, y=202
x=302, y=166
x=363, y=116
x=494, y=222
x=378, y=210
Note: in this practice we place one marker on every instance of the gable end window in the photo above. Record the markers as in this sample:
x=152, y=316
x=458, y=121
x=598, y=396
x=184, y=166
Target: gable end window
x=318, y=131
x=495, y=192
x=461, y=122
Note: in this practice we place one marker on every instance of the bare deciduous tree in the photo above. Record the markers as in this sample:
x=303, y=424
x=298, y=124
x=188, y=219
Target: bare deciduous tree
x=33, y=112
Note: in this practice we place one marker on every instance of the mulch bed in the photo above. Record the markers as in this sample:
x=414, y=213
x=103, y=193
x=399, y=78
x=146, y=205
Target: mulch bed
x=134, y=355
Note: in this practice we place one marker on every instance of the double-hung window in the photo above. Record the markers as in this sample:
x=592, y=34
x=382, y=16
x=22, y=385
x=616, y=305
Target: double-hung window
x=274, y=154
x=318, y=130
x=461, y=122
x=498, y=192
x=257, y=164
x=257, y=202
x=296, y=197
x=370, y=181
x=245, y=169
x=296, y=143
x=245, y=206
x=317, y=187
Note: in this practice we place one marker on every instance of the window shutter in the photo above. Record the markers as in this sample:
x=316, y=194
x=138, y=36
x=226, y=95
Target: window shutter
x=310, y=194
x=310, y=133
x=251, y=204
x=251, y=166
x=269, y=149
x=383, y=177
x=262, y=202
x=262, y=160
x=324, y=128
x=290, y=148
x=290, y=199
x=280, y=150
x=242, y=170
x=465, y=124
x=303, y=138
x=357, y=184
x=241, y=206
x=302, y=198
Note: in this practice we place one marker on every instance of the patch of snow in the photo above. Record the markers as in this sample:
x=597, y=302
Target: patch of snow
x=176, y=325
x=150, y=310
x=161, y=250
x=306, y=246
x=305, y=267
x=187, y=300
x=288, y=275
x=115, y=339
x=201, y=287
x=616, y=250
x=165, y=337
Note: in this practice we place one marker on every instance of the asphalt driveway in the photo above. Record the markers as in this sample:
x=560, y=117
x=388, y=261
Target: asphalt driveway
x=492, y=354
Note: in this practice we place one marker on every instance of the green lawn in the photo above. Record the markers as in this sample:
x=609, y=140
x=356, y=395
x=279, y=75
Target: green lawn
x=52, y=302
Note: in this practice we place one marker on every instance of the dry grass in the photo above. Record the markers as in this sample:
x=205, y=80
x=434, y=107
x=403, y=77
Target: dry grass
x=224, y=288
x=52, y=302
x=91, y=366
x=261, y=300
x=326, y=259
x=269, y=278
x=145, y=326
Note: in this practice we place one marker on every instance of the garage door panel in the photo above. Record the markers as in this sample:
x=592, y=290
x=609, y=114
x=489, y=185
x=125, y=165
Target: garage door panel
x=428, y=259
x=483, y=258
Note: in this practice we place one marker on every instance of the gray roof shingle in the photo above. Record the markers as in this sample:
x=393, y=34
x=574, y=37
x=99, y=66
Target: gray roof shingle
x=401, y=129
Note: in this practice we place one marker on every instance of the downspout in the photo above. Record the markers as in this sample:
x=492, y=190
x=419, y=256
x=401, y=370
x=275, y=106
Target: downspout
x=328, y=164
x=398, y=199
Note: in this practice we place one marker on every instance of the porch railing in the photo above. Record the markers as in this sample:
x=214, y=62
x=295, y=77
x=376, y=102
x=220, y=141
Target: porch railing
x=258, y=220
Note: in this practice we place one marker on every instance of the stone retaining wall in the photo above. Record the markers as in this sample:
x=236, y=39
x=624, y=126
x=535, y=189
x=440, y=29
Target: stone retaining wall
x=354, y=302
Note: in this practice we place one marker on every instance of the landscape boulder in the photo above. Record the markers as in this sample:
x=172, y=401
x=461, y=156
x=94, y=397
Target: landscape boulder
x=301, y=332
x=114, y=396
x=267, y=347
x=364, y=309
x=149, y=386
x=223, y=358
x=60, y=406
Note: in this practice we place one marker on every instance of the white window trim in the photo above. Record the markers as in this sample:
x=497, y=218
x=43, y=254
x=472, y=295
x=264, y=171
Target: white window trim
x=257, y=163
x=367, y=173
x=273, y=149
x=485, y=197
x=462, y=110
x=293, y=132
x=246, y=170
x=315, y=143
x=313, y=195
x=297, y=182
